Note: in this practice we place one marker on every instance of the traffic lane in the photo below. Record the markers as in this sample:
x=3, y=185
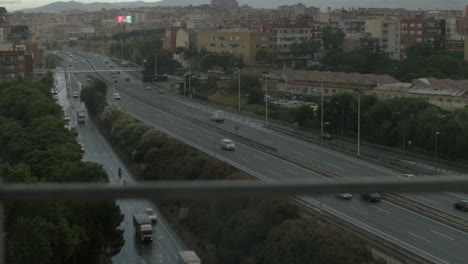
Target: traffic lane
x=442, y=201
x=166, y=244
x=386, y=217
x=244, y=155
x=430, y=239
x=163, y=249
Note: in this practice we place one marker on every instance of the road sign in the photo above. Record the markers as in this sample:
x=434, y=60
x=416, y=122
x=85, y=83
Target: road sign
x=236, y=127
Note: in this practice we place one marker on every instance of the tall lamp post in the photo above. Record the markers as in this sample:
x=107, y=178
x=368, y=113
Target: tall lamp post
x=239, y=89
x=359, y=123
x=436, y=135
x=342, y=116
x=266, y=101
x=321, y=121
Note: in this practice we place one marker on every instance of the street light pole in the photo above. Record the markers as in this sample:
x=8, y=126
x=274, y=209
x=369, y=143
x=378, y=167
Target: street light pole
x=266, y=102
x=239, y=89
x=321, y=123
x=359, y=125
x=436, y=135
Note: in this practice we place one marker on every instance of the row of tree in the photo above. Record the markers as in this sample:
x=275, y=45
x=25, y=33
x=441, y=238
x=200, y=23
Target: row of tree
x=36, y=147
x=242, y=231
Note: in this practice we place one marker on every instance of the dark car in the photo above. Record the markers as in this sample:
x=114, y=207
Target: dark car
x=327, y=136
x=462, y=205
x=372, y=197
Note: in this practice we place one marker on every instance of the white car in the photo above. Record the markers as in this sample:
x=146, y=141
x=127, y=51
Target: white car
x=148, y=87
x=66, y=117
x=227, y=144
x=75, y=94
x=203, y=77
x=151, y=214
x=116, y=96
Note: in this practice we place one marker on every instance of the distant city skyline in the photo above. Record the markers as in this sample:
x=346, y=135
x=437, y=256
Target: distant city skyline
x=407, y=4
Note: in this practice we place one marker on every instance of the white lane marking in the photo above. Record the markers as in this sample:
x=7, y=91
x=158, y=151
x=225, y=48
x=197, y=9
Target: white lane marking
x=458, y=196
x=360, y=211
x=385, y=211
x=332, y=165
x=260, y=158
x=377, y=231
x=433, y=231
x=297, y=152
x=422, y=238
x=275, y=173
x=443, y=198
x=292, y=171
x=420, y=197
x=430, y=219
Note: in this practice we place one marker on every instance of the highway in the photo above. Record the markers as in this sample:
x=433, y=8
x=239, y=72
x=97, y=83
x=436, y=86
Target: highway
x=432, y=240
x=165, y=247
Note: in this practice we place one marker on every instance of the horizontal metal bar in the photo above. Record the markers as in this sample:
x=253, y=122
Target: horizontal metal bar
x=219, y=189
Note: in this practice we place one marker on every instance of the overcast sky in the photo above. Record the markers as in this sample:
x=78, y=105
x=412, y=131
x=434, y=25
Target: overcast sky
x=37, y=3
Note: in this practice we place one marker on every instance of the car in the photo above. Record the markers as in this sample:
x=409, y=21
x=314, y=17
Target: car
x=56, y=97
x=227, y=144
x=151, y=214
x=82, y=148
x=224, y=78
x=115, y=81
x=161, y=91
x=148, y=87
x=75, y=94
x=344, y=196
x=54, y=91
x=203, y=77
x=116, y=96
x=372, y=197
x=127, y=79
x=462, y=205
x=74, y=130
x=327, y=136
x=407, y=176
x=66, y=117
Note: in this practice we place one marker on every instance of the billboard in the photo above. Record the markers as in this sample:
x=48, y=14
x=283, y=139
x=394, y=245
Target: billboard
x=123, y=19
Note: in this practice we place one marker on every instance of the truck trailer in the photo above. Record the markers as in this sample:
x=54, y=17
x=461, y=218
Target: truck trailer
x=188, y=257
x=81, y=117
x=218, y=116
x=143, y=227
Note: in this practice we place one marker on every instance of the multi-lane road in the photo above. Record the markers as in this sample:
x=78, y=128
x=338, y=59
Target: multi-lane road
x=423, y=236
x=165, y=247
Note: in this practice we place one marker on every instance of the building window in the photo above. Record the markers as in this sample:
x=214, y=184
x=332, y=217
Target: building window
x=222, y=45
x=213, y=38
x=213, y=44
x=222, y=37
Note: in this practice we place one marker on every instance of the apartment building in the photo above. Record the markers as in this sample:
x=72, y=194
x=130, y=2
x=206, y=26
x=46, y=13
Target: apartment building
x=387, y=33
x=420, y=30
x=224, y=4
x=240, y=42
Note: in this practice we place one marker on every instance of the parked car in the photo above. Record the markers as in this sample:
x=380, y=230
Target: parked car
x=66, y=117
x=151, y=214
x=116, y=96
x=75, y=94
x=203, y=77
x=462, y=205
x=344, y=196
x=227, y=144
x=82, y=148
x=127, y=79
x=148, y=87
x=74, y=130
x=372, y=197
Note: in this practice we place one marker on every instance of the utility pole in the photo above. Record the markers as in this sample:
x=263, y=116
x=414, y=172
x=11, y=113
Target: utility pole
x=239, y=89
x=321, y=122
x=266, y=102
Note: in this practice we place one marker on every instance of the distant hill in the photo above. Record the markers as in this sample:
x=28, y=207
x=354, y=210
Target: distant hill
x=408, y=4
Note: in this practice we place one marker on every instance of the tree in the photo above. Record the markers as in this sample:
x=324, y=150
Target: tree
x=332, y=39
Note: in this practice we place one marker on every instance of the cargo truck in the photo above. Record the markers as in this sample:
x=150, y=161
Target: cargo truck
x=143, y=227
x=218, y=116
x=188, y=257
x=81, y=117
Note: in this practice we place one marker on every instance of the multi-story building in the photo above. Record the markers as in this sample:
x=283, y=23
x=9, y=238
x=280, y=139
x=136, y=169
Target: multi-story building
x=224, y=3
x=420, y=30
x=240, y=42
x=387, y=32
x=15, y=63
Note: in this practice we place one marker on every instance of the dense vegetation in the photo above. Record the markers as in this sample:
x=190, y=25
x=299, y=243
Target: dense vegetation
x=241, y=231
x=422, y=61
x=36, y=147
